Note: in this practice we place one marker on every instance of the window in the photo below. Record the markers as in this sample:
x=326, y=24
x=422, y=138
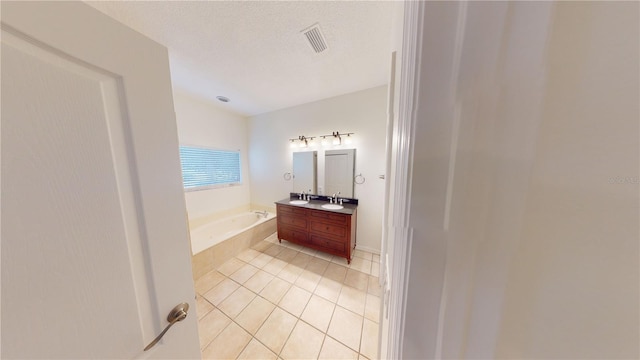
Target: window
x=205, y=167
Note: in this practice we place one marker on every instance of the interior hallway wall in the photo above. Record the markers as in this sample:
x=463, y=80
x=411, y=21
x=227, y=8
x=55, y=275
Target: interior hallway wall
x=270, y=156
x=574, y=278
x=525, y=197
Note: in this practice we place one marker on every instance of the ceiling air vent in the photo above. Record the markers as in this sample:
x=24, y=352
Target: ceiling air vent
x=315, y=38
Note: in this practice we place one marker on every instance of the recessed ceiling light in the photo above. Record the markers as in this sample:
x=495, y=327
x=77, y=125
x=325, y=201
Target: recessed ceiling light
x=223, y=98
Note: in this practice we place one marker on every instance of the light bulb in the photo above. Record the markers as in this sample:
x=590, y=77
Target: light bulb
x=336, y=141
x=348, y=140
x=324, y=141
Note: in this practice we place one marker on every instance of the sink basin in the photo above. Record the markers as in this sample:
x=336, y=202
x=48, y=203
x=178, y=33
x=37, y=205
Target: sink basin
x=298, y=202
x=332, y=206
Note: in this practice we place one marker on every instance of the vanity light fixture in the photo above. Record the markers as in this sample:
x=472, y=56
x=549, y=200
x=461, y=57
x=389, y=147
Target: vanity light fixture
x=348, y=140
x=304, y=141
x=312, y=142
x=337, y=140
x=308, y=141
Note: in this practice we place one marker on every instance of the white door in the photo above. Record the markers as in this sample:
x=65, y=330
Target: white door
x=94, y=235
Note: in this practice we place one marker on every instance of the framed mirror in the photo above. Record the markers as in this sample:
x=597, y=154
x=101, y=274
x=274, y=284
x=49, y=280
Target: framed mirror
x=339, y=169
x=305, y=167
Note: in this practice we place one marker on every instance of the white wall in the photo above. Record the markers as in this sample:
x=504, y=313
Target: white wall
x=203, y=123
x=363, y=113
x=528, y=117
x=575, y=274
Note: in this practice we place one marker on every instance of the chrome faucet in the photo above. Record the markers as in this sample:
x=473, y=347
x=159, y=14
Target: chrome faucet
x=335, y=198
x=264, y=213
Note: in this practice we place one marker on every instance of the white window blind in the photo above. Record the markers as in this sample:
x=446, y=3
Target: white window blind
x=206, y=167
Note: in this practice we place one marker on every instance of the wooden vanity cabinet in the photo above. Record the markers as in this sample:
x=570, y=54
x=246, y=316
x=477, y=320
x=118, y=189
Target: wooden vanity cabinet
x=331, y=232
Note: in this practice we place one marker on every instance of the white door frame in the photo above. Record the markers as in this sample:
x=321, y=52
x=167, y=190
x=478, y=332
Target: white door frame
x=403, y=143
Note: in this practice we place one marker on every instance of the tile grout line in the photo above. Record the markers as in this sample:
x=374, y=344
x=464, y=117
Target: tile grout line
x=294, y=326
x=361, y=336
x=223, y=313
x=253, y=335
x=312, y=292
x=326, y=333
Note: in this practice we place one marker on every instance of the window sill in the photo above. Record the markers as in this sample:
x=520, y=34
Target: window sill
x=217, y=186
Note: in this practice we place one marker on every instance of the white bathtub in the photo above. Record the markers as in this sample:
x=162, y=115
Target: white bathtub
x=210, y=234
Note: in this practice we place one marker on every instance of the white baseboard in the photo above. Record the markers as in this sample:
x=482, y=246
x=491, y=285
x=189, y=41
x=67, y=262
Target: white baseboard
x=369, y=249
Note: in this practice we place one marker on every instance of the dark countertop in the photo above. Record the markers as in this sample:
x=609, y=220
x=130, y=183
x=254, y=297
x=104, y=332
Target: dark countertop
x=348, y=209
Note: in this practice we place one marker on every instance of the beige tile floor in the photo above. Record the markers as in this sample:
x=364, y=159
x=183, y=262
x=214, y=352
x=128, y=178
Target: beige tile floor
x=285, y=301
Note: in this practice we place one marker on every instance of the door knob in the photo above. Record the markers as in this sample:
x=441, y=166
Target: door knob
x=176, y=314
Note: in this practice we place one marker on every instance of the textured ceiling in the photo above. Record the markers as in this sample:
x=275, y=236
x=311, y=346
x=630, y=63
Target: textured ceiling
x=254, y=52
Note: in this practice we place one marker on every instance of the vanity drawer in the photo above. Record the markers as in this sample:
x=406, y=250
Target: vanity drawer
x=327, y=243
x=292, y=234
x=291, y=210
x=329, y=229
x=293, y=220
x=328, y=216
